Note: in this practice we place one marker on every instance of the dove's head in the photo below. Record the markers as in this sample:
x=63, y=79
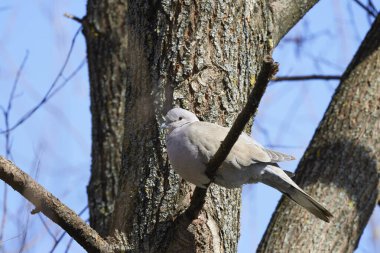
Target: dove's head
x=178, y=117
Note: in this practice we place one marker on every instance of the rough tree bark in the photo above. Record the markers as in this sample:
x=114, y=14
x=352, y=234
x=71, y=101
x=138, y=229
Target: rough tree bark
x=144, y=57
x=107, y=67
x=341, y=165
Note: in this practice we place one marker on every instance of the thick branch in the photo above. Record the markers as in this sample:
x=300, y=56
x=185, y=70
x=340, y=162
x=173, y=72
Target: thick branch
x=269, y=69
x=54, y=209
x=286, y=13
x=341, y=165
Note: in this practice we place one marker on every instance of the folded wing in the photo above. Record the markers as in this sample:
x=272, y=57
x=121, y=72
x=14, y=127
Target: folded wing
x=246, y=151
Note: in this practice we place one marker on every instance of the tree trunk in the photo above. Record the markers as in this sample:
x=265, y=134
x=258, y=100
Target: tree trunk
x=144, y=58
x=107, y=68
x=341, y=165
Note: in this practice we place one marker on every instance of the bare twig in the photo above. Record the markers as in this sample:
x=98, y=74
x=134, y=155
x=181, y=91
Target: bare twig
x=57, y=242
x=372, y=6
x=54, y=209
x=47, y=227
x=67, y=79
x=69, y=245
x=8, y=109
x=306, y=78
x=8, y=145
x=17, y=78
x=52, y=89
x=75, y=18
x=269, y=69
x=368, y=10
x=5, y=211
x=9, y=239
x=24, y=235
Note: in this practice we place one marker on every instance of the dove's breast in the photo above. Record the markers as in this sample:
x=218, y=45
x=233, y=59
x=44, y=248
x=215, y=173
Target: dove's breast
x=184, y=158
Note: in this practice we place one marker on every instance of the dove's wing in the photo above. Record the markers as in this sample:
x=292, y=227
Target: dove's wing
x=276, y=156
x=207, y=137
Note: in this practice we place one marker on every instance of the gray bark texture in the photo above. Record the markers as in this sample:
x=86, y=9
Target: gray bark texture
x=145, y=57
x=341, y=165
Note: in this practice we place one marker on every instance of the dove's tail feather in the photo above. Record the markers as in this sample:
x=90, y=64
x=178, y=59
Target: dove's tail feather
x=277, y=178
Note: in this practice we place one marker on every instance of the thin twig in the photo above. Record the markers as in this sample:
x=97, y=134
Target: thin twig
x=24, y=235
x=69, y=245
x=57, y=242
x=67, y=79
x=5, y=211
x=54, y=209
x=70, y=16
x=372, y=6
x=47, y=227
x=9, y=239
x=306, y=78
x=52, y=89
x=268, y=70
x=368, y=10
x=7, y=111
x=8, y=145
x=17, y=78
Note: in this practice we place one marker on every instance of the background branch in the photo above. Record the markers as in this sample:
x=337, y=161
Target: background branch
x=306, y=78
x=286, y=14
x=54, y=209
x=53, y=89
x=75, y=18
x=369, y=10
x=8, y=143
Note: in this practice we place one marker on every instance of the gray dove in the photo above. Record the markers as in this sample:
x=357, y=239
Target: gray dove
x=191, y=144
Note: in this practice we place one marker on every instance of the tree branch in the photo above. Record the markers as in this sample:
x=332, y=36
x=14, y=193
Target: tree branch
x=268, y=70
x=75, y=18
x=286, y=13
x=53, y=89
x=54, y=209
x=366, y=8
x=305, y=78
x=346, y=139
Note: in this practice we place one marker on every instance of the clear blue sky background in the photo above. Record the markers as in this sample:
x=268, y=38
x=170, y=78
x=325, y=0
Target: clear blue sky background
x=54, y=144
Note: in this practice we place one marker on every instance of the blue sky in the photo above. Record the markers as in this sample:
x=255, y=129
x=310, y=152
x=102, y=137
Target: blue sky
x=54, y=144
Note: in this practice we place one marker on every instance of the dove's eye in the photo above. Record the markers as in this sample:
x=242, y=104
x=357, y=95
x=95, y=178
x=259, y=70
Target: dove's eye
x=180, y=118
